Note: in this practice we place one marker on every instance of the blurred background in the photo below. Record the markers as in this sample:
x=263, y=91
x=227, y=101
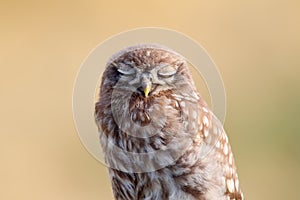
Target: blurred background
x=255, y=45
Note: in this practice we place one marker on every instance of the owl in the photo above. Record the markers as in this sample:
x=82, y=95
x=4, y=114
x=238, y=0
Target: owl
x=159, y=137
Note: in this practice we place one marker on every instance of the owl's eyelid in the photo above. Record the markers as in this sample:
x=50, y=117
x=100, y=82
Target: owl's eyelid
x=124, y=68
x=126, y=72
x=167, y=71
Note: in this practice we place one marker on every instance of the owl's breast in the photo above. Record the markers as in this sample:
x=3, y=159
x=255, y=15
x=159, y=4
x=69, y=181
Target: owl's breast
x=139, y=110
x=152, y=110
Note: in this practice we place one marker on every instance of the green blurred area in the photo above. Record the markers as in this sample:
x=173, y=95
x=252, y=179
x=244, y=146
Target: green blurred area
x=254, y=43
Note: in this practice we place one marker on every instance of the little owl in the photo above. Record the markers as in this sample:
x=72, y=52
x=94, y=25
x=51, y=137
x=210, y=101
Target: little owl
x=159, y=138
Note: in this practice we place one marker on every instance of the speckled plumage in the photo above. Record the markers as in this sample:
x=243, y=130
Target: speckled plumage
x=165, y=145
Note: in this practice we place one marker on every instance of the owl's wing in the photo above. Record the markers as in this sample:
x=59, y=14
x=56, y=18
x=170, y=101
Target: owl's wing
x=216, y=167
x=213, y=135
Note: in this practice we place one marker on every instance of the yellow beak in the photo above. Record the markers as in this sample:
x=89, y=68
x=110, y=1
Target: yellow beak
x=147, y=90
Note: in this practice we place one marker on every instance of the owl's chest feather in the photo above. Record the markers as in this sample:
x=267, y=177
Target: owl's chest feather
x=144, y=111
x=182, y=180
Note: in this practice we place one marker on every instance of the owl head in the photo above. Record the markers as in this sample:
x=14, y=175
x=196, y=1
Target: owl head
x=148, y=70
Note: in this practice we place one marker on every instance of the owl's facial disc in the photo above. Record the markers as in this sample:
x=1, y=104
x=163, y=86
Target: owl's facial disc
x=147, y=80
x=157, y=79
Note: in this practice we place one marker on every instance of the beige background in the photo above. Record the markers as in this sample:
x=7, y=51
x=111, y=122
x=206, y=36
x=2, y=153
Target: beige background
x=42, y=44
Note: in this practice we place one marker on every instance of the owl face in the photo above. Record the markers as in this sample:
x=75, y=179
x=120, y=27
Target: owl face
x=149, y=72
x=147, y=82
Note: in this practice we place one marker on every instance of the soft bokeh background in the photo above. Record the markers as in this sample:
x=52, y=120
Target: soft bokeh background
x=42, y=44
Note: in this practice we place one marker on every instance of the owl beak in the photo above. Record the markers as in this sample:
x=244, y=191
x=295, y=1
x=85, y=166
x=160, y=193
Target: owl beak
x=146, y=84
x=147, y=88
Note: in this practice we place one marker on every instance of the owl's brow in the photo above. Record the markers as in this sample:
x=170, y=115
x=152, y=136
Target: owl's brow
x=127, y=63
x=130, y=63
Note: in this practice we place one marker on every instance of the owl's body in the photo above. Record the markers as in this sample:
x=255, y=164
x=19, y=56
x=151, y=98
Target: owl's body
x=159, y=138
